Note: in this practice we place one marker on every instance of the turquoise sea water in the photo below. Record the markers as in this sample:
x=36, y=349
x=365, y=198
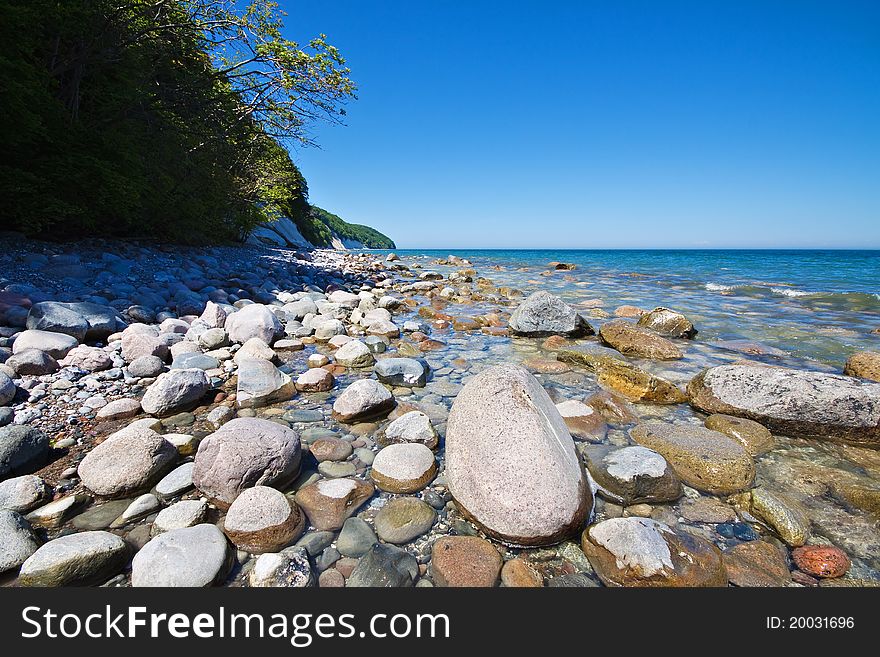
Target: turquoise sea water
x=813, y=305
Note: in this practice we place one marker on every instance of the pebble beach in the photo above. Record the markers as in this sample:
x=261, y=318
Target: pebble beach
x=253, y=416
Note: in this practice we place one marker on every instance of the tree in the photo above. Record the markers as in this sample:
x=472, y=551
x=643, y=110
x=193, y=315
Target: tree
x=157, y=117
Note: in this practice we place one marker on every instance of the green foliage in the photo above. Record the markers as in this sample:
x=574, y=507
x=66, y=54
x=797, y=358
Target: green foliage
x=156, y=118
x=369, y=237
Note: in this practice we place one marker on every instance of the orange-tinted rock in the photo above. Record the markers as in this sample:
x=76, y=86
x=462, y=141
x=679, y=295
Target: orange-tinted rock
x=824, y=561
x=519, y=573
x=756, y=563
x=465, y=561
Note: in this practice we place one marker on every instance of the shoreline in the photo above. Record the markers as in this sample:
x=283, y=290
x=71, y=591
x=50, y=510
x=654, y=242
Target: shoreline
x=453, y=321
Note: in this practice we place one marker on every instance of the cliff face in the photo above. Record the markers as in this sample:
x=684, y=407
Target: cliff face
x=319, y=229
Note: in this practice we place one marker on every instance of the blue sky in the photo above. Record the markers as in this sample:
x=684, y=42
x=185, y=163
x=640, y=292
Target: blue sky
x=603, y=124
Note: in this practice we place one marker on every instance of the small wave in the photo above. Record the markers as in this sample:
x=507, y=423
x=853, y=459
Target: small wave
x=789, y=292
x=718, y=287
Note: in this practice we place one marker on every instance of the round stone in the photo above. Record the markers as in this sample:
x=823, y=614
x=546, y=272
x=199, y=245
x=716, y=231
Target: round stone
x=129, y=461
x=330, y=449
x=632, y=475
x=354, y=353
x=518, y=573
x=356, y=538
x=825, y=561
x=22, y=494
x=412, y=427
x=263, y=519
x=243, y=453
x=465, y=561
x=403, y=519
x=403, y=468
x=315, y=379
x=365, y=398
x=196, y=556
x=180, y=515
x=329, y=502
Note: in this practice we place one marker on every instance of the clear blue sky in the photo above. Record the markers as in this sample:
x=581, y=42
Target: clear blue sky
x=603, y=124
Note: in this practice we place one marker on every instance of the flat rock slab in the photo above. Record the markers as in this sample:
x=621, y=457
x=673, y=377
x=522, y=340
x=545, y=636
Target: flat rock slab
x=705, y=459
x=793, y=402
x=644, y=552
x=198, y=556
x=632, y=340
x=75, y=560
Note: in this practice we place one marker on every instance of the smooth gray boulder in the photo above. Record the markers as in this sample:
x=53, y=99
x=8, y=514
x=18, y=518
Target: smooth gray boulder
x=129, y=461
x=17, y=540
x=407, y=372
x=362, y=399
x=511, y=463
x=543, y=314
x=23, y=450
x=198, y=556
x=253, y=321
x=24, y=493
x=261, y=383
x=792, y=402
x=175, y=391
x=243, y=453
x=81, y=559
x=194, y=361
x=146, y=367
x=7, y=389
x=82, y=320
x=32, y=362
x=412, y=427
x=179, y=515
x=57, y=345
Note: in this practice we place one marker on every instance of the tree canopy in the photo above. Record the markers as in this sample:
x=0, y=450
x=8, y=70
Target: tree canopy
x=159, y=118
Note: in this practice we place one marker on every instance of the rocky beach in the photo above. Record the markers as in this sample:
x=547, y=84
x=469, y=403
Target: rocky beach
x=268, y=417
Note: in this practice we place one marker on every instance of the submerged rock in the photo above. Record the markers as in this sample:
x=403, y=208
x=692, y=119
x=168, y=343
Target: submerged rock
x=543, y=314
x=753, y=436
x=792, y=402
x=511, y=464
x=707, y=460
x=385, y=566
x=634, y=383
x=632, y=475
x=465, y=561
x=667, y=323
x=644, y=552
x=756, y=563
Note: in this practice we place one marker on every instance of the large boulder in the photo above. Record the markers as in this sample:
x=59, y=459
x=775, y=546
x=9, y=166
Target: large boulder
x=32, y=362
x=129, y=461
x=175, y=391
x=511, y=463
x=668, y=323
x=196, y=556
x=23, y=450
x=707, y=460
x=644, y=552
x=82, y=320
x=57, y=345
x=261, y=383
x=632, y=340
x=543, y=314
x=362, y=399
x=253, y=321
x=81, y=559
x=243, y=453
x=792, y=402
x=91, y=359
